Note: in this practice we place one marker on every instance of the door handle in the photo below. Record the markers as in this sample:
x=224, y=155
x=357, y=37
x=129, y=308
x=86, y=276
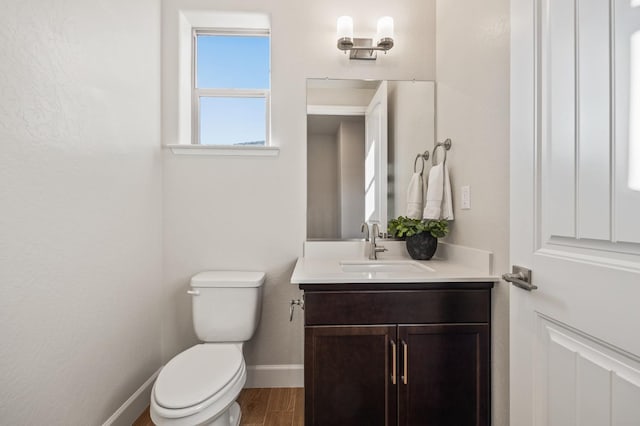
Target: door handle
x=520, y=277
x=405, y=354
x=393, y=362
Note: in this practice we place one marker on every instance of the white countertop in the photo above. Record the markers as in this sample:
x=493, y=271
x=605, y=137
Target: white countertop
x=322, y=264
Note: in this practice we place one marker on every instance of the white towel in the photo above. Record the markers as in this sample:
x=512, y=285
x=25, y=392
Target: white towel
x=447, y=205
x=414, y=197
x=439, y=204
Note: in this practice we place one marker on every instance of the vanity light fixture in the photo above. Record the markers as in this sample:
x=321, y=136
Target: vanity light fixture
x=363, y=48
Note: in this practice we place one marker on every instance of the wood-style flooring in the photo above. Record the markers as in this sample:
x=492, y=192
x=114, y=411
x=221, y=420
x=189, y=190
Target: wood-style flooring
x=262, y=407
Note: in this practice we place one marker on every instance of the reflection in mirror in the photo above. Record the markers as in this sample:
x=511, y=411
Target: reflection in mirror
x=362, y=139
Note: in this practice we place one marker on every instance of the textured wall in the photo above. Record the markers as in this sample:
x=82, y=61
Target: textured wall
x=250, y=212
x=473, y=110
x=80, y=207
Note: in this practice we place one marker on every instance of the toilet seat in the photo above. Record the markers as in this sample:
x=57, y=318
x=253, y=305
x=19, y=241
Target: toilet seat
x=196, y=374
x=203, y=380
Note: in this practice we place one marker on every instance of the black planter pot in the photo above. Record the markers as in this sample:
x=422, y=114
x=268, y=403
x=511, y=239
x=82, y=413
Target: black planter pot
x=422, y=246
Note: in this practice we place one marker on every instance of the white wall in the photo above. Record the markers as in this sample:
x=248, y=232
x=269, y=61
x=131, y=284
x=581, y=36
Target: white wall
x=351, y=165
x=80, y=197
x=250, y=213
x=323, y=203
x=472, y=59
x=412, y=122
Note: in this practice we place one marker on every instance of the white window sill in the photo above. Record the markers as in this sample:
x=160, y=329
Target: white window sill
x=224, y=151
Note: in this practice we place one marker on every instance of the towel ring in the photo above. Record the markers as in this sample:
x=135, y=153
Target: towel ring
x=424, y=156
x=446, y=146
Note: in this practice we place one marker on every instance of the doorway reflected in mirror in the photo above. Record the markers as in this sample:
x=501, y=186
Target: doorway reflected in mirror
x=362, y=139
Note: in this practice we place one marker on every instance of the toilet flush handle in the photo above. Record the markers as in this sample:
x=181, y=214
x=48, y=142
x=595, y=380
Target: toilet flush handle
x=292, y=305
x=193, y=292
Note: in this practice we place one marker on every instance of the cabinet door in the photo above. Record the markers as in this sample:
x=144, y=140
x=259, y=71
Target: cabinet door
x=349, y=376
x=444, y=371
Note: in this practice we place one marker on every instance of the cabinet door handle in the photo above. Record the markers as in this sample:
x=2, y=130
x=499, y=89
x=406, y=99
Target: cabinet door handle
x=393, y=362
x=405, y=353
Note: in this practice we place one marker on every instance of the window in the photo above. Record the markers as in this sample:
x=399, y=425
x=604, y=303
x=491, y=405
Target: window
x=231, y=87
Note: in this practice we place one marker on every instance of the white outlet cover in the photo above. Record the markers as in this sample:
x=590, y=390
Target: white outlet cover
x=465, y=195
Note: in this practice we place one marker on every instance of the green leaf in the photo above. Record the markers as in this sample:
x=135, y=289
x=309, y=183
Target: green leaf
x=403, y=227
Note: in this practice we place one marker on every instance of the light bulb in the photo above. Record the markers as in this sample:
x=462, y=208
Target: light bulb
x=385, y=28
x=345, y=27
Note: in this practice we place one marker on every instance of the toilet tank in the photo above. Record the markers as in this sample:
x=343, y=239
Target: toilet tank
x=226, y=304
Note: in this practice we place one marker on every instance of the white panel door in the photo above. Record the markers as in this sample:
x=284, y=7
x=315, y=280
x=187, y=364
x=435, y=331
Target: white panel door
x=375, y=166
x=575, y=212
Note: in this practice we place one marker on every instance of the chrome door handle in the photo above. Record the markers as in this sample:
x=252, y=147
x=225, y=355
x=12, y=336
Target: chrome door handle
x=193, y=292
x=393, y=362
x=520, y=277
x=405, y=353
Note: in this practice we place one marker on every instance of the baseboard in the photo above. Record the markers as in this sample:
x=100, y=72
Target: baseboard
x=134, y=406
x=275, y=376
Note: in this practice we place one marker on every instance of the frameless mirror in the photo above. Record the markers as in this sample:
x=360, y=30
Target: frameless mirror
x=362, y=140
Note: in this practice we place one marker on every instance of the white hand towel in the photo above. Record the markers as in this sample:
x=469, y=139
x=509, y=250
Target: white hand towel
x=435, y=183
x=439, y=203
x=414, y=197
x=447, y=204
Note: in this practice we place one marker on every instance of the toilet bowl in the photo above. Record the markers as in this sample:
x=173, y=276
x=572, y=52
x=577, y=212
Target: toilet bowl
x=200, y=385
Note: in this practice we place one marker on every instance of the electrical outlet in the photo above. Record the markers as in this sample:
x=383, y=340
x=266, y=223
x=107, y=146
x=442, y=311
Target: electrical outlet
x=466, y=197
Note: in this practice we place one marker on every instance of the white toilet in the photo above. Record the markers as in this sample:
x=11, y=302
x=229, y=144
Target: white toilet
x=200, y=385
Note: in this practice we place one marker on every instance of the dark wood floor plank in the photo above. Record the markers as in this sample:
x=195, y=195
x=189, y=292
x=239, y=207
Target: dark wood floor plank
x=253, y=403
x=262, y=407
x=282, y=399
x=279, y=418
x=298, y=411
x=144, y=419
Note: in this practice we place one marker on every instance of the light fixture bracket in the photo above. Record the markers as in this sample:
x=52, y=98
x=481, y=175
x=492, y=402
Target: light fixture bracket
x=363, y=48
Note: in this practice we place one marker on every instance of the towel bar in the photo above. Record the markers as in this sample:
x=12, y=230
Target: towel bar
x=446, y=145
x=424, y=156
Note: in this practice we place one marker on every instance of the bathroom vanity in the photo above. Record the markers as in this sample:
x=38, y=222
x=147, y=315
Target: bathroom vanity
x=395, y=342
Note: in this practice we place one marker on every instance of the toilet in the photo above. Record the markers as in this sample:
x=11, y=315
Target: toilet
x=200, y=385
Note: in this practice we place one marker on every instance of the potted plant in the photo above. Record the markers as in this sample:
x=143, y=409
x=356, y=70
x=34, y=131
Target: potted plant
x=421, y=235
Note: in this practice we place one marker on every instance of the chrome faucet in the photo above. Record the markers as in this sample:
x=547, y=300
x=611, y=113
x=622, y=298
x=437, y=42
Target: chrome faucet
x=365, y=228
x=373, y=248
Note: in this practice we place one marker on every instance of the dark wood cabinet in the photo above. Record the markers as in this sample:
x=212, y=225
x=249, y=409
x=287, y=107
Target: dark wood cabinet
x=410, y=355
x=447, y=375
x=349, y=381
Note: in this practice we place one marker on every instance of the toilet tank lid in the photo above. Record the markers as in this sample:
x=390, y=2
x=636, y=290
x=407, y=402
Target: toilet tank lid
x=228, y=279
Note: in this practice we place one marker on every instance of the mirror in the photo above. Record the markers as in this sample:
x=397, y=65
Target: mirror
x=363, y=137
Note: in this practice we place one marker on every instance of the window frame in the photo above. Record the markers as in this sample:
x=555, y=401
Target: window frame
x=198, y=93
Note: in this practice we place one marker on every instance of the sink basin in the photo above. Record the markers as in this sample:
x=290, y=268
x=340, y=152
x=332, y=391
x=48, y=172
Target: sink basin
x=399, y=266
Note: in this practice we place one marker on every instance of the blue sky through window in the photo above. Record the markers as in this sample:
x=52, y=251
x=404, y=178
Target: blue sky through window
x=232, y=121
x=232, y=62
